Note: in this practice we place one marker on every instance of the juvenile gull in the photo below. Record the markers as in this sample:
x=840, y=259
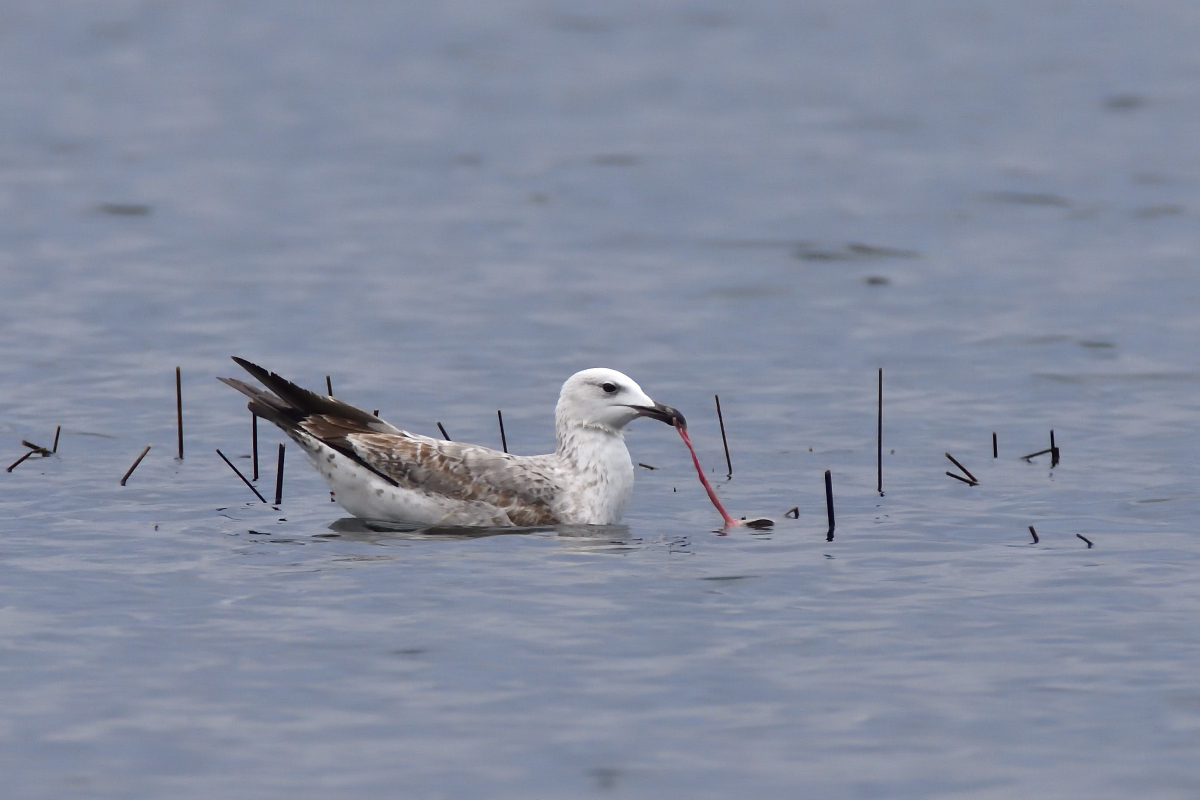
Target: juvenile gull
x=378, y=471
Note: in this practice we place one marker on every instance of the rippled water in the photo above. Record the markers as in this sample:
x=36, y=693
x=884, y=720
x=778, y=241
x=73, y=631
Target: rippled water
x=448, y=211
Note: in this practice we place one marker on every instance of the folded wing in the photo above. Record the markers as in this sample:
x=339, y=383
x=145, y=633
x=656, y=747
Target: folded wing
x=524, y=487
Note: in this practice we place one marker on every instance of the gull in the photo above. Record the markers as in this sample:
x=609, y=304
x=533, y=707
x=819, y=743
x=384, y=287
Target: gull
x=378, y=471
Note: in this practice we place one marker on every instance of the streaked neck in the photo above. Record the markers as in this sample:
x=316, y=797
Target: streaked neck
x=581, y=443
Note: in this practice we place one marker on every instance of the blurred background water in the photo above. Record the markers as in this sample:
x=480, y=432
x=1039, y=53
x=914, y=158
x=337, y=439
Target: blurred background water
x=449, y=209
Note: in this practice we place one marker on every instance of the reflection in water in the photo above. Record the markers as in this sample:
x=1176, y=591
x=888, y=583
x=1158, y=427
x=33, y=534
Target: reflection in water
x=373, y=531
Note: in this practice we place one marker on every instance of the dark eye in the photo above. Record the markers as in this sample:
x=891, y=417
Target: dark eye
x=609, y=387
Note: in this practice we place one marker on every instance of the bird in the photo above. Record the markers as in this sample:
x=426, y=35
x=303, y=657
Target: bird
x=381, y=472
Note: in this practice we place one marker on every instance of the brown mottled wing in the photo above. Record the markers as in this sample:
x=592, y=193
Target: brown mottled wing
x=519, y=486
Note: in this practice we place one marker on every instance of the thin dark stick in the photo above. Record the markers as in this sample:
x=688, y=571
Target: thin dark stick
x=879, y=437
x=279, y=477
x=28, y=453
x=445, y=435
x=966, y=471
x=1089, y=541
x=57, y=431
x=1053, y=451
x=1035, y=455
x=135, y=465
x=793, y=512
x=328, y=386
x=1034, y=534
x=724, y=443
x=254, y=444
x=828, y=503
x=178, y=409
x=995, y=446
x=961, y=478
x=646, y=466
x=240, y=475
x=37, y=448
x=503, y=441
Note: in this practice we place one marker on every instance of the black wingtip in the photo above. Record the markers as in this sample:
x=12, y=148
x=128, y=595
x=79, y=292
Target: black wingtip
x=305, y=401
x=251, y=367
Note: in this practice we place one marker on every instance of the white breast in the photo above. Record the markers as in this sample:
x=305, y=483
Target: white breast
x=596, y=477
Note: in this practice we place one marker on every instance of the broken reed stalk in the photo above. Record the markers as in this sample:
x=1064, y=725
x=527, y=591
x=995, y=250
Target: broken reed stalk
x=1035, y=455
x=57, y=431
x=1089, y=541
x=966, y=471
x=125, y=477
x=445, y=435
x=279, y=476
x=254, y=444
x=28, y=453
x=503, y=440
x=1053, y=451
x=724, y=442
x=328, y=386
x=646, y=466
x=240, y=475
x=995, y=446
x=37, y=448
x=179, y=409
x=879, y=437
x=828, y=503
x=1033, y=533
x=961, y=478
x=793, y=512
x=376, y=412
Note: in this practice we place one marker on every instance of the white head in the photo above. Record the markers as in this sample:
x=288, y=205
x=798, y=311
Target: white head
x=606, y=400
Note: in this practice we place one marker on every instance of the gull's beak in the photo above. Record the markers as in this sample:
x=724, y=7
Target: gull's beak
x=661, y=413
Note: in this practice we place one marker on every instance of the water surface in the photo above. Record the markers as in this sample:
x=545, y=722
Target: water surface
x=448, y=211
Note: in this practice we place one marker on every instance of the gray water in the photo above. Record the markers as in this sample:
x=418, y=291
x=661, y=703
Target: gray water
x=449, y=210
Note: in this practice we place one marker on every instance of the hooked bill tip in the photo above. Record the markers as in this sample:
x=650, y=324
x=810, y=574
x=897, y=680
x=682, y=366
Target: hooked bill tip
x=662, y=413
